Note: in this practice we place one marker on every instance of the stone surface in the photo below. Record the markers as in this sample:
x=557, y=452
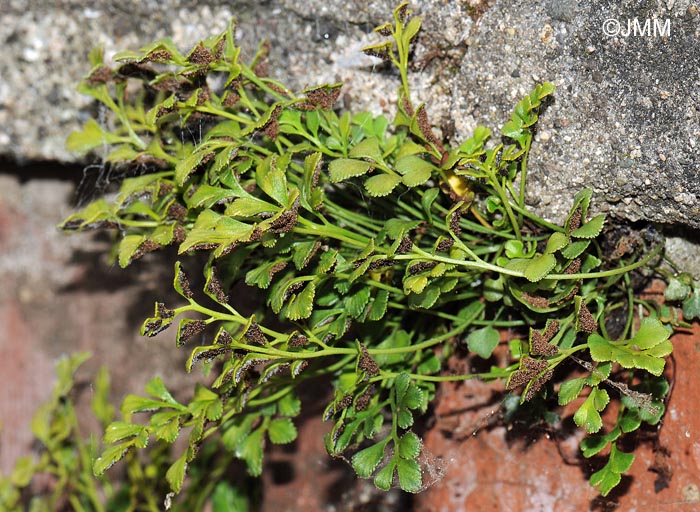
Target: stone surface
x=625, y=121
x=539, y=468
x=625, y=118
x=47, y=44
x=60, y=295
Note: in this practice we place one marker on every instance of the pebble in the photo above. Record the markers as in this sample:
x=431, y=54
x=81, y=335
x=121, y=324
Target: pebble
x=684, y=198
x=563, y=10
x=691, y=493
x=546, y=34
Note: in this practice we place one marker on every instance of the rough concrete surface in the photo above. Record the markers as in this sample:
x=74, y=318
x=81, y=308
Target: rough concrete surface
x=625, y=119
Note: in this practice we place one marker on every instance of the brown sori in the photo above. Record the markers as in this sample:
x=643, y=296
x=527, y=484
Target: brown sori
x=570, y=295
x=255, y=335
x=424, y=126
x=201, y=55
x=101, y=75
x=214, y=287
x=154, y=327
x=364, y=399
x=184, y=285
x=367, y=362
x=574, y=266
x=157, y=56
x=163, y=311
x=405, y=245
x=417, y=268
x=323, y=98
x=538, y=383
x=146, y=247
x=530, y=369
x=445, y=244
x=224, y=338
x=540, y=345
x=536, y=300
x=380, y=52
x=276, y=268
x=179, y=234
x=454, y=223
x=297, y=341
x=220, y=46
x=343, y=403
x=586, y=321
x=191, y=329
x=380, y=263
x=406, y=104
x=210, y=354
x=575, y=220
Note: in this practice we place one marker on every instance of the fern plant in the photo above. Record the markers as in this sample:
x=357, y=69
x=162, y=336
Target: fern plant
x=61, y=476
x=359, y=250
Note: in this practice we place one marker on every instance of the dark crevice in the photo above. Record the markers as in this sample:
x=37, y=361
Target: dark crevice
x=42, y=170
x=90, y=180
x=690, y=233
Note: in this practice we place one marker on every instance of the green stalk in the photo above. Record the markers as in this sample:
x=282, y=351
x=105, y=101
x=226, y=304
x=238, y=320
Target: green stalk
x=480, y=265
x=444, y=378
x=359, y=222
x=524, y=212
x=467, y=264
x=250, y=75
x=89, y=488
x=208, y=108
x=523, y=174
x=331, y=231
x=427, y=343
x=493, y=179
x=612, y=272
x=474, y=227
x=120, y=113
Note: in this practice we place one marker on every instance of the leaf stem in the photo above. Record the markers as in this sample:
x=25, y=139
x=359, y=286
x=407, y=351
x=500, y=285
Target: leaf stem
x=477, y=265
x=523, y=174
x=331, y=231
x=612, y=272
